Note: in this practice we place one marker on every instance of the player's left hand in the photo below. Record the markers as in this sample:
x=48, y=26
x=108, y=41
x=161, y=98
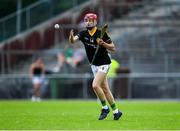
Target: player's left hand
x=100, y=41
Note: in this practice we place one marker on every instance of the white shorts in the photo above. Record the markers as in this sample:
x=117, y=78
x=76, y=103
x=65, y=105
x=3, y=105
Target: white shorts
x=102, y=68
x=37, y=79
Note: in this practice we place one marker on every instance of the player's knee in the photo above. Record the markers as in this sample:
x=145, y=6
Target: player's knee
x=95, y=86
x=37, y=86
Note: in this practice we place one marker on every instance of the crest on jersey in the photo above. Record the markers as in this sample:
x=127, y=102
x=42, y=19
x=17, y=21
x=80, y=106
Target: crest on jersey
x=91, y=40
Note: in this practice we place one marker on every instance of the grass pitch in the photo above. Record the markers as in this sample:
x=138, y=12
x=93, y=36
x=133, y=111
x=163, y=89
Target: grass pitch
x=83, y=115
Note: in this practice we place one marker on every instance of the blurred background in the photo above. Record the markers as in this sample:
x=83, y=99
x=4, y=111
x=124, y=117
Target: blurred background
x=146, y=34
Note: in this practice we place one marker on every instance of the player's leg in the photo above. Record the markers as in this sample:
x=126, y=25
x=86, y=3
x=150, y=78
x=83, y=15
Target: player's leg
x=36, y=92
x=36, y=89
x=97, y=86
x=98, y=79
x=107, y=92
x=110, y=99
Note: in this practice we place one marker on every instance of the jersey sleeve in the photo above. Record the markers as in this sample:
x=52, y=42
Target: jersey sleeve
x=107, y=38
x=80, y=34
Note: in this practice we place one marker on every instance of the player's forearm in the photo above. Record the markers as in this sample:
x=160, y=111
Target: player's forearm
x=110, y=46
x=71, y=39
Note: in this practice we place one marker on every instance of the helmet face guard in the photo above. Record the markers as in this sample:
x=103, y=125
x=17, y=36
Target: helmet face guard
x=90, y=20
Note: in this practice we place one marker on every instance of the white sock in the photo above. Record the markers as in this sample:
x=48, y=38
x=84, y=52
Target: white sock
x=115, y=111
x=105, y=107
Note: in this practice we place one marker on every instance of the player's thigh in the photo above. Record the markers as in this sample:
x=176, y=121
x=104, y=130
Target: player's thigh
x=104, y=83
x=37, y=81
x=98, y=79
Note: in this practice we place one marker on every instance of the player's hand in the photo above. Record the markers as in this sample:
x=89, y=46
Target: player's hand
x=100, y=41
x=71, y=36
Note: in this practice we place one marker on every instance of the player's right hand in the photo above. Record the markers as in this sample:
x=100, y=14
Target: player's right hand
x=71, y=36
x=71, y=33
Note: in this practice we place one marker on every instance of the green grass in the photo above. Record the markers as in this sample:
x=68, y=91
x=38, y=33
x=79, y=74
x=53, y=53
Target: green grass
x=82, y=115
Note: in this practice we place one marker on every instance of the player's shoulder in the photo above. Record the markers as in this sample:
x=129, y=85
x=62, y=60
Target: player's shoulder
x=82, y=32
x=98, y=30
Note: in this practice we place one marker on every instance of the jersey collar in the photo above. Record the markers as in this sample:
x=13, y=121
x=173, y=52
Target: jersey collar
x=92, y=31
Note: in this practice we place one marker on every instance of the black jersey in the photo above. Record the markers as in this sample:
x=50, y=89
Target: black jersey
x=37, y=71
x=90, y=45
